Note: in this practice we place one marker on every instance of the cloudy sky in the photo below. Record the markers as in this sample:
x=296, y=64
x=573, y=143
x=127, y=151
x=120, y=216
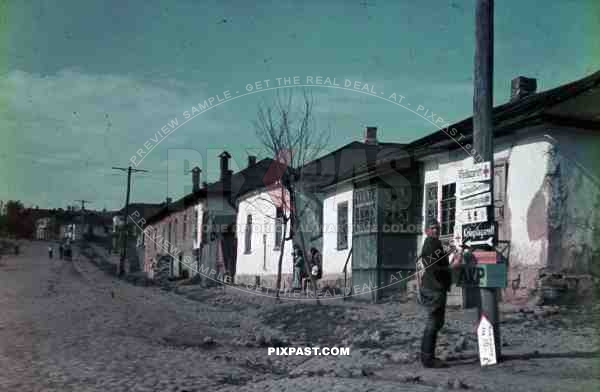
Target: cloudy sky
x=85, y=84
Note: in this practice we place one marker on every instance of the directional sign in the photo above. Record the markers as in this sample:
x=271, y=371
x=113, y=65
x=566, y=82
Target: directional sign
x=473, y=215
x=485, y=199
x=480, y=275
x=478, y=231
x=485, y=257
x=477, y=172
x=472, y=188
x=485, y=340
x=488, y=242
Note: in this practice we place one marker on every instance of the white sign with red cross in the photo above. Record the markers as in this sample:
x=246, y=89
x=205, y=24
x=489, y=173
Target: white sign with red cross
x=476, y=172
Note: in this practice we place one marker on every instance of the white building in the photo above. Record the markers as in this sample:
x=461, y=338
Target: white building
x=546, y=195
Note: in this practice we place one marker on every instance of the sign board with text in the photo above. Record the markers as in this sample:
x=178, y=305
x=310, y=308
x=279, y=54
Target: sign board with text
x=472, y=188
x=485, y=257
x=485, y=341
x=480, y=275
x=478, y=232
x=473, y=215
x=477, y=172
x=482, y=200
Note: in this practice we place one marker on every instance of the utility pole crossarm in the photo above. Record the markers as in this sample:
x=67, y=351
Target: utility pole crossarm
x=129, y=170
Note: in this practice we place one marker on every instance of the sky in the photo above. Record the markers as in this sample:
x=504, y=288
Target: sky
x=86, y=85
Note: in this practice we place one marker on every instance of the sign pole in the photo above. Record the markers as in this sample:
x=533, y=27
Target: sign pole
x=483, y=131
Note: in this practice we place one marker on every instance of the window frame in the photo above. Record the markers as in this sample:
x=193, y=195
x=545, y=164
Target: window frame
x=248, y=235
x=450, y=222
x=342, y=235
x=278, y=237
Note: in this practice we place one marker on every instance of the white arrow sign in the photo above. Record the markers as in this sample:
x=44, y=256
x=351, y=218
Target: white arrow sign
x=489, y=242
x=474, y=215
x=472, y=188
x=485, y=340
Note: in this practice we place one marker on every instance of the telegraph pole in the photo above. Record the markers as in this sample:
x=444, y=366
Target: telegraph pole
x=129, y=170
x=83, y=215
x=483, y=142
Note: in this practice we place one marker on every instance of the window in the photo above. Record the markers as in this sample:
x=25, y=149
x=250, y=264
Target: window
x=500, y=171
x=278, y=227
x=168, y=245
x=248, y=235
x=342, y=225
x=448, y=207
x=431, y=201
x=184, y=226
x=195, y=224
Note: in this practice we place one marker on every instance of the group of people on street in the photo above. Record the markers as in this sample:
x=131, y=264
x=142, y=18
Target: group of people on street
x=64, y=250
x=300, y=276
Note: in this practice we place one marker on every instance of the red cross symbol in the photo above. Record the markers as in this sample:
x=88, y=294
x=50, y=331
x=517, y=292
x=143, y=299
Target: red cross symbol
x=486, y=171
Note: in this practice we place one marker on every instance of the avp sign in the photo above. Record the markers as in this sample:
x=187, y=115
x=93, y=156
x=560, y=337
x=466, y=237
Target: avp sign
x=480, y=275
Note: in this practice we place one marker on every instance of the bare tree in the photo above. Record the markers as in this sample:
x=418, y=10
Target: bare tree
x=287, y=129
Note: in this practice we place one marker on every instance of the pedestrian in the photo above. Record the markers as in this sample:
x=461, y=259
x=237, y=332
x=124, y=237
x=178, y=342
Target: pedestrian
x=434, y=281
x=298, y=268
x=50, y=251
x=61, y=251
x=316, y=263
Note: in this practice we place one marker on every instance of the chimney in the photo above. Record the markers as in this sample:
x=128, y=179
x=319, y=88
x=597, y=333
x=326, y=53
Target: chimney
x=196, y=179
x=227, y=181
x=521, y=87
x=224, y=163
x=251, y=160
x=370, y=135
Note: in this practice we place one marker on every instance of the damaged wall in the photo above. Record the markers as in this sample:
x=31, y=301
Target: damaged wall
x=574, y=208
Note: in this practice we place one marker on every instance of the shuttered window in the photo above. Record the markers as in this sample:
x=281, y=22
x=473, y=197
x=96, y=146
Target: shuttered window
x=342, y=226
x=448, y=207
x=248, y=235
x=431, y=201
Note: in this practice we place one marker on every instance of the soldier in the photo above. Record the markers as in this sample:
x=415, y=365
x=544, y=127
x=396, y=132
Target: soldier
x=434, y=280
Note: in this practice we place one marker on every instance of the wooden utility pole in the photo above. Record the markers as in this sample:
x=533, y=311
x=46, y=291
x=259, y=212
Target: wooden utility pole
x=83, y=215
x=125, y=232
x=483, y=131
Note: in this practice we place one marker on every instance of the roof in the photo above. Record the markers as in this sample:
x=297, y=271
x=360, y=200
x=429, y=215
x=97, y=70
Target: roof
x=578, y=100
x=160, y=211
x=348, y=161
x=259, y=175
x=263, y=173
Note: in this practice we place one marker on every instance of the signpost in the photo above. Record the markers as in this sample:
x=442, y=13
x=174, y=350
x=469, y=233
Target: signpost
x=472, y=188
x=485, y=257
x=478, y=172
x=480, y=275
x=475, y=232
x=482, y=200
x=473, y=215
x=485, y=340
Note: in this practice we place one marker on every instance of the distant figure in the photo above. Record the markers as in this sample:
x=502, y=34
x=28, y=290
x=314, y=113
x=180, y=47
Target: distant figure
x=50, y=251
x=61, y=251
x=316, y=262
x=298, y=268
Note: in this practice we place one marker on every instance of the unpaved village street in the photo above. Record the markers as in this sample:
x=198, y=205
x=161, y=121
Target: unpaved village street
x=68, y=326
